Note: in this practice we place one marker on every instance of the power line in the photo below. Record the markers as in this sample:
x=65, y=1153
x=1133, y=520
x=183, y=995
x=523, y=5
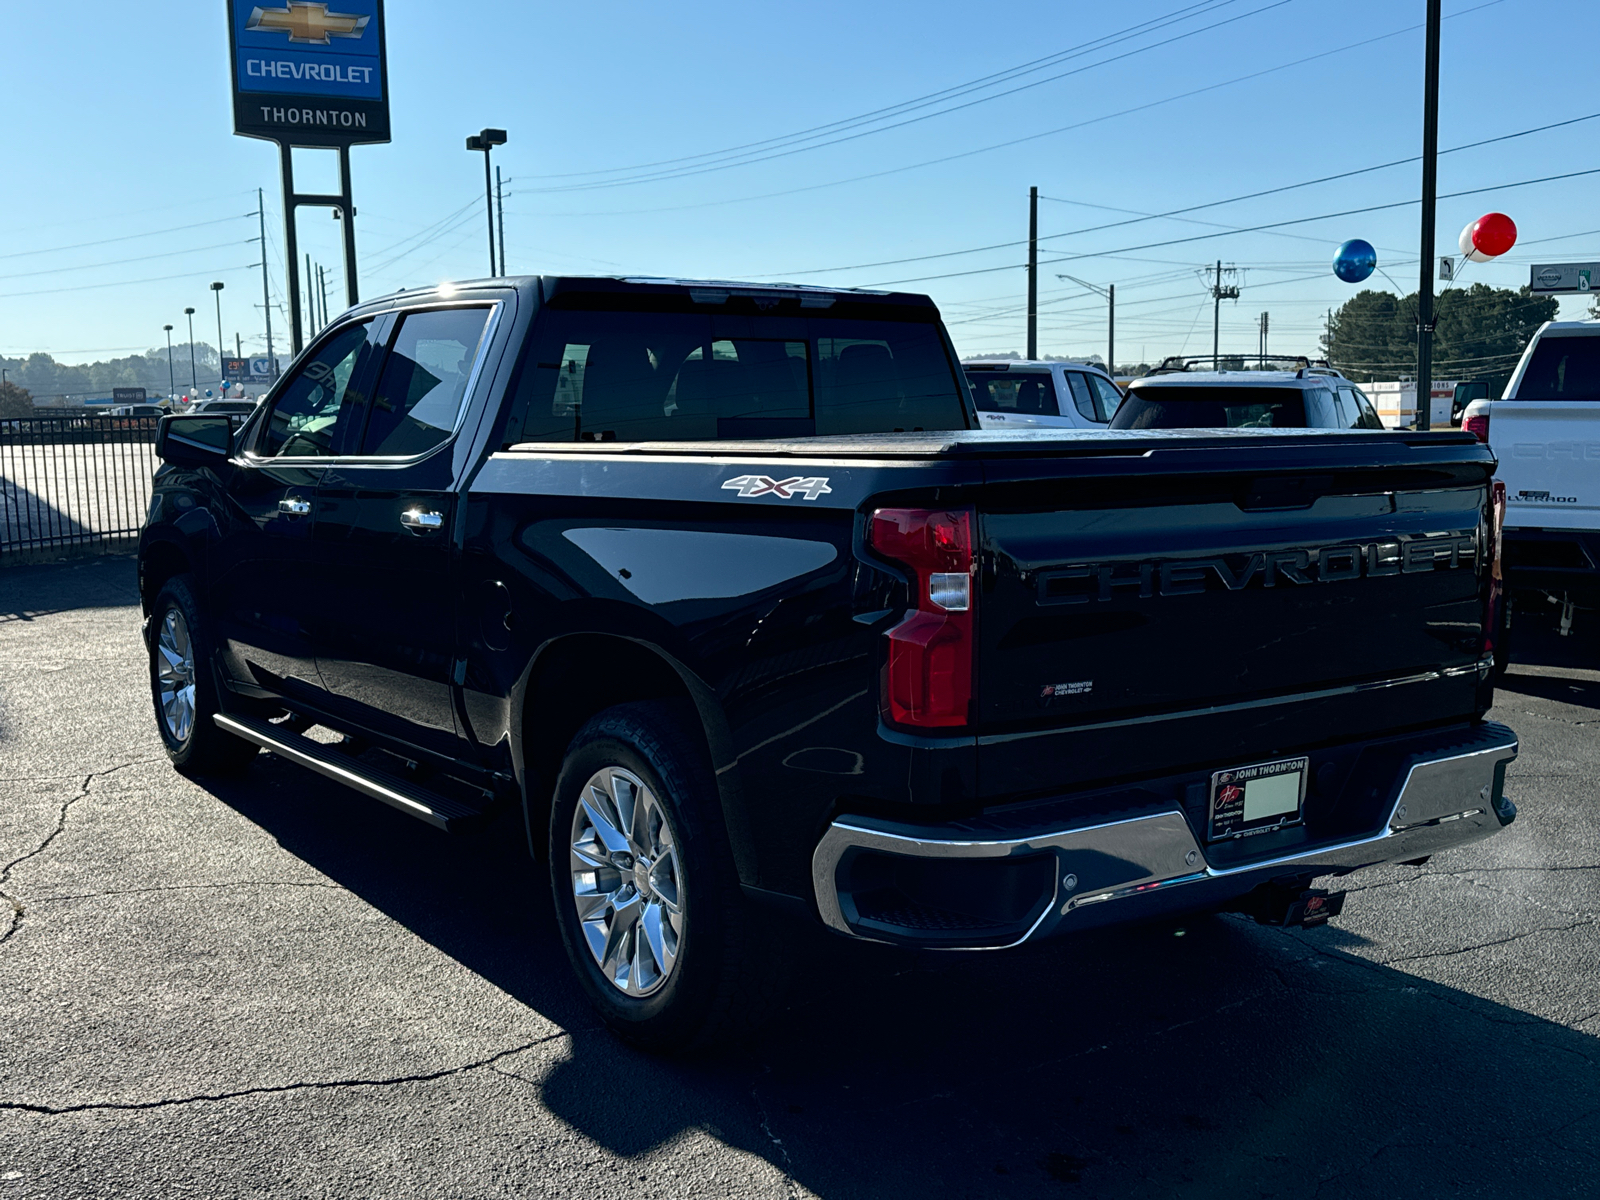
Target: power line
x=84, y=287
x=1192, y=208
x=747, y=158
x=1201, y=237
x=117, y=262
x=895, y=109
x=125, y=238
x=1028, y=137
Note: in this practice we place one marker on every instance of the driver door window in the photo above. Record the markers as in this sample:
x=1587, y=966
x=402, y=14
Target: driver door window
x=313, y=415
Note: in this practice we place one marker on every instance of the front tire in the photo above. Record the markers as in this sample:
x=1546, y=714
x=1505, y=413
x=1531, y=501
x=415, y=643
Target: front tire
x=657, y=930
x=184, y=689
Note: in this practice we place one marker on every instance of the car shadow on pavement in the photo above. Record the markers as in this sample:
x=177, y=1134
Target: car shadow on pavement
x=1204, y=1057
x=30, y=590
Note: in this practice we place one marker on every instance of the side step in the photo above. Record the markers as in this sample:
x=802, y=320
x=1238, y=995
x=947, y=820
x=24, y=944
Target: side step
x=422, y=803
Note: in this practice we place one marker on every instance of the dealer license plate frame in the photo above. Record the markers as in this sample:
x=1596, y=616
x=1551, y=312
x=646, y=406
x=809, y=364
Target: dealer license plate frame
x=1225, y=813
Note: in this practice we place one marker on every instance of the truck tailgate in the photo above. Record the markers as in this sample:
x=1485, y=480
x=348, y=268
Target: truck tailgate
x=1224, y=608
x=1550, y=462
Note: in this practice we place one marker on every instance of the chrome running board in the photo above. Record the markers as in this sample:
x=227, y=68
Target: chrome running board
x=439, y=811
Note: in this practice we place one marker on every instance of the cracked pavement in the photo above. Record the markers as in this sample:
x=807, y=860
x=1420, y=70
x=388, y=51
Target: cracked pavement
x=272, y=987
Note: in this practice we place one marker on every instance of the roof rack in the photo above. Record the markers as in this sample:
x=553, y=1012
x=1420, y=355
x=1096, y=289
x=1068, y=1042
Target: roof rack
x=1236, y=362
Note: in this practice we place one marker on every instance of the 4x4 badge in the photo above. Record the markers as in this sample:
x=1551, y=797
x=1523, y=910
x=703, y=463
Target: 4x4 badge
x=783, y=489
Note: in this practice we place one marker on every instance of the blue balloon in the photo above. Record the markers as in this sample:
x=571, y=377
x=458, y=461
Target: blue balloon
x=1355, y=261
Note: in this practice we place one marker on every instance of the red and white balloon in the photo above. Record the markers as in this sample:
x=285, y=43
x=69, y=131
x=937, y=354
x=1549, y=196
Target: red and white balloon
x=1490, y=236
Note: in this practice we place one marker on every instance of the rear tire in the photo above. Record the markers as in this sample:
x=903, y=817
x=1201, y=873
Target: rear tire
x=664, y=943
x=184, y=687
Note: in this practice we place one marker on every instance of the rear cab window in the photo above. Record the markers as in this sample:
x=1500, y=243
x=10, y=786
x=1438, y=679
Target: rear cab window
x=1179, y=406
x=617, y=374
x=1562, y=368
x=1025, y=393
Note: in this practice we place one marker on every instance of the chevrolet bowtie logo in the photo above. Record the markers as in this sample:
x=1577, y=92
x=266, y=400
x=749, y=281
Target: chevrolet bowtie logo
x=307, y=23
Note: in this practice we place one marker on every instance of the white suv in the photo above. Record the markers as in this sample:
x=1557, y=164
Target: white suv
x=1028, y=394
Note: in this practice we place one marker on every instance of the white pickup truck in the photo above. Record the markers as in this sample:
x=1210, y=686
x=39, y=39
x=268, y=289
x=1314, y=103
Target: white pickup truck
x=1545, y=431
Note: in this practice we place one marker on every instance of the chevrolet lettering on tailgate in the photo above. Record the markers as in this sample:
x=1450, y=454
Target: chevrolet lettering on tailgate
x=1081, y=583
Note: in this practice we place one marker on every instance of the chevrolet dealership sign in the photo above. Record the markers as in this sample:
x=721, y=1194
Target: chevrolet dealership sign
x=309, y=74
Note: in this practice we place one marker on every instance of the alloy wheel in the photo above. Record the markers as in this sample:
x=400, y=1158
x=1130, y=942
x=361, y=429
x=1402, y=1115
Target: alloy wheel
x=175, y=675
x=626, y=882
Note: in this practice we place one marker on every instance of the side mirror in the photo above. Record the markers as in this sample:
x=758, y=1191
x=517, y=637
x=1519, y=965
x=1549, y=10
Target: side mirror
x=197, y=440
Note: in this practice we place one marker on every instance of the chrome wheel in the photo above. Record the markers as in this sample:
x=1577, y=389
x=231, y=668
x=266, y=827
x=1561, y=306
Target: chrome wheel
x=626, y=883
x=175, y=675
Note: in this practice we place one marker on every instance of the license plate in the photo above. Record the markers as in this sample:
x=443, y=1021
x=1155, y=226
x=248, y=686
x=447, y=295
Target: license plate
x=1257, y=799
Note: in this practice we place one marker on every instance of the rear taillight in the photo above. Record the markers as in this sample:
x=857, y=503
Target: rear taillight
x=1478, y=426
x=1496, y=596
x=928, y=677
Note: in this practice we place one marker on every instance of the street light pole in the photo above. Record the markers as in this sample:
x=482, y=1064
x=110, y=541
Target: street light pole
x=486, y=140
x=222, y=376
x=1110, y=294
x=172, y=378
x=194, y=377
x=1430, y=199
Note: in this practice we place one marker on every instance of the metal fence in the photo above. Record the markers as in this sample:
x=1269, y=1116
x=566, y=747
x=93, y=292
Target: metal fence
x=78, y=481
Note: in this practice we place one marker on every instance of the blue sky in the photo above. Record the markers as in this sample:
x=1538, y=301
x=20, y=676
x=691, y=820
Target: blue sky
x=119, y=127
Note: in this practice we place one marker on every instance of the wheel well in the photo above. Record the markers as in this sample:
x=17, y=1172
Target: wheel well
x=573, y=680
x=159, y=563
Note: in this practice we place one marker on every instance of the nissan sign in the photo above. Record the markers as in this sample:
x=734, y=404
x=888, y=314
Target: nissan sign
x=1552, y=278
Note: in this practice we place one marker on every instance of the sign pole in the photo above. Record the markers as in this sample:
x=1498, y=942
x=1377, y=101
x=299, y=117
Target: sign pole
x=348, y=210
x=304, y=76
x=291, y=248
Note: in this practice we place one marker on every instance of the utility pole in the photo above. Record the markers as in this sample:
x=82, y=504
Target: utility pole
x=311, y=298
x=500, y=209
x=1430, y=192
x=266, y=294
x=1218, y=295
x=238, y=345
x=322, y=284
x=1263, y=337
x=1033, y=273
x=194, y=376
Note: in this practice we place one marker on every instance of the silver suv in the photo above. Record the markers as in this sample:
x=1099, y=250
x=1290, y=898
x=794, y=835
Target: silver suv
x=1293, y=395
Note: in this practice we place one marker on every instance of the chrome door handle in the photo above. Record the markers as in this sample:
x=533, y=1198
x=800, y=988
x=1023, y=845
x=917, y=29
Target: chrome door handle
x=421, y=522
x=294, y=506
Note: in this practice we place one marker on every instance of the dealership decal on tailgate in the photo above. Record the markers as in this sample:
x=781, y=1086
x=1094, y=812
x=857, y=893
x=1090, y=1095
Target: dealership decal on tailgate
x=1257, y=799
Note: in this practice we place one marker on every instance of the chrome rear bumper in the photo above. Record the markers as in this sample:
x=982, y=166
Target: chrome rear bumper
x=1443, y=802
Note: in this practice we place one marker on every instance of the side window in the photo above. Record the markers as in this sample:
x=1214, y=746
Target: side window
x=1082, y=397
x=1366, y=417
x=1106, y=392
x=424, y=382
x=313, y=413
x=1321, y=409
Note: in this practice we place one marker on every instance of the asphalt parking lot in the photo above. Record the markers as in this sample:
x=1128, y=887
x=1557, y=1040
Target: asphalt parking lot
x=273, y=987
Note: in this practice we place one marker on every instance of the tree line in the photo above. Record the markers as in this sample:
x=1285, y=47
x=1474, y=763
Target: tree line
x=52, y=382
x=1479, y=333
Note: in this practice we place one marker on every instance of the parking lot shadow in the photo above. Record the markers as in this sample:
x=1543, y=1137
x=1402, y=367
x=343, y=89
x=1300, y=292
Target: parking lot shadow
x=30, y=590
x=1208, y=1058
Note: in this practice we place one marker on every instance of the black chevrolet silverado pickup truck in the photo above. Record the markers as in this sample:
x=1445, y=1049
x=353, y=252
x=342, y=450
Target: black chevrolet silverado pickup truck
x=722, y=585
